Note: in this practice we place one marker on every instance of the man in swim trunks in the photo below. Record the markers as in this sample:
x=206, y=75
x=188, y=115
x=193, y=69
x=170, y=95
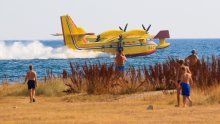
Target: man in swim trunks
x=120, y=59
x=185, y=79
x=31, y=77
x=179, y=73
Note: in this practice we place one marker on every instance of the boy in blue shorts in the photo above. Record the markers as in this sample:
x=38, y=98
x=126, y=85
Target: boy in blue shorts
x=185, y=79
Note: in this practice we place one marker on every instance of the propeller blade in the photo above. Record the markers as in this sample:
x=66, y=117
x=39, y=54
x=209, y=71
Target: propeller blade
x=120, y=28
x=143, y=27
x=125, y=27
x=148, y=28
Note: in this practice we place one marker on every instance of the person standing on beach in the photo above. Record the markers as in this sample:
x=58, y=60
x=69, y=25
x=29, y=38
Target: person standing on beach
x=193, y=62
x=31, y=77
x=185, y=80
x=120, y=59
x=192, y=59
x=179, y=73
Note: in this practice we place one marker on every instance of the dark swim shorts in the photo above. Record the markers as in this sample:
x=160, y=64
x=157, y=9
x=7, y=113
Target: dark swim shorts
x=185, y=89
x=31, y=84
x=121, y=68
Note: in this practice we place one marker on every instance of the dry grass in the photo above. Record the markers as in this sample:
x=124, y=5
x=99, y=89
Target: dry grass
x=53, y=87
x=104, y=78
x=110, y=109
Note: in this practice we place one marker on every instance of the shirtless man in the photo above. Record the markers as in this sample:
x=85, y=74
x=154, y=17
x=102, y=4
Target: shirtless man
x=31, y=76
x=120, y=59
x=193, y=62
x=179, y=73
x=192, y=59
x=185, y=79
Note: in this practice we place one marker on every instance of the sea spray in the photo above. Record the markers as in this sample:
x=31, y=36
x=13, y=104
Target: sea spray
x=37, y=50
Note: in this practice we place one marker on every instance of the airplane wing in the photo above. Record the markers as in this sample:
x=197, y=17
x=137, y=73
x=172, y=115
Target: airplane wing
x=57, y=34
x=80, y=34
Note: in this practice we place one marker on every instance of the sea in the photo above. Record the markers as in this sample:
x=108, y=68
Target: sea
x=17, y=55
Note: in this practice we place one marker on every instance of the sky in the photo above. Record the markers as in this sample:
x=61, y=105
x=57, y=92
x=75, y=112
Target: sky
x=37, y=19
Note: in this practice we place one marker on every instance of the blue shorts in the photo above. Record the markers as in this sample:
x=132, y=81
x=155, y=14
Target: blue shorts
x=31, y=84
x=185, y=89
x=121, y=68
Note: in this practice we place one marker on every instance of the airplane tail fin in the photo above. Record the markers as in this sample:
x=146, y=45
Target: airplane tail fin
x=162, y=35
x=73, y=35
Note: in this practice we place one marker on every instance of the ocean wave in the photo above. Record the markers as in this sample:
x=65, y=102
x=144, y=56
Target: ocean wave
x=37, y=50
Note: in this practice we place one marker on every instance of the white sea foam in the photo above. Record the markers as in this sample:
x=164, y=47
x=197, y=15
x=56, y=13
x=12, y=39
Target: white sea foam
x=37, y=50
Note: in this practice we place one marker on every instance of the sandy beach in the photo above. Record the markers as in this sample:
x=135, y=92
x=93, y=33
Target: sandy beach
x=104, y=109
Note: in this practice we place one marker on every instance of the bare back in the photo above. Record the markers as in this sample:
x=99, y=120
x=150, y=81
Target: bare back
x=31, y=75
x=186, y=78
x=181, y=72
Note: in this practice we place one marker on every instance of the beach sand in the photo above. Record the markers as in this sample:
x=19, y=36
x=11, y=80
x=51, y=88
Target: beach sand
x=102, y=109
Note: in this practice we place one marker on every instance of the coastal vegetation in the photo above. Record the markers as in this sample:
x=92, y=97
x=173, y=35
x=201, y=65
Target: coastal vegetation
x=103, y=78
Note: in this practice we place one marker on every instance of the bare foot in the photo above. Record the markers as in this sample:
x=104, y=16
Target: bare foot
x=190, y=104
x=177, y=105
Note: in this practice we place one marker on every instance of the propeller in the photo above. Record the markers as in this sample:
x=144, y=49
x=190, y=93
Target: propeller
x=148, y=28
x=120, y=28
x=124, y=28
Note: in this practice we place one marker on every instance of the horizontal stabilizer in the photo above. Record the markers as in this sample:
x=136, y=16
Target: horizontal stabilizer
x=162, y=35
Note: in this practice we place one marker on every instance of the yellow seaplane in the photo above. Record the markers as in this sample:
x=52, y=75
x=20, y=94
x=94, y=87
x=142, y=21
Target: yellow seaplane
x=132, y=43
